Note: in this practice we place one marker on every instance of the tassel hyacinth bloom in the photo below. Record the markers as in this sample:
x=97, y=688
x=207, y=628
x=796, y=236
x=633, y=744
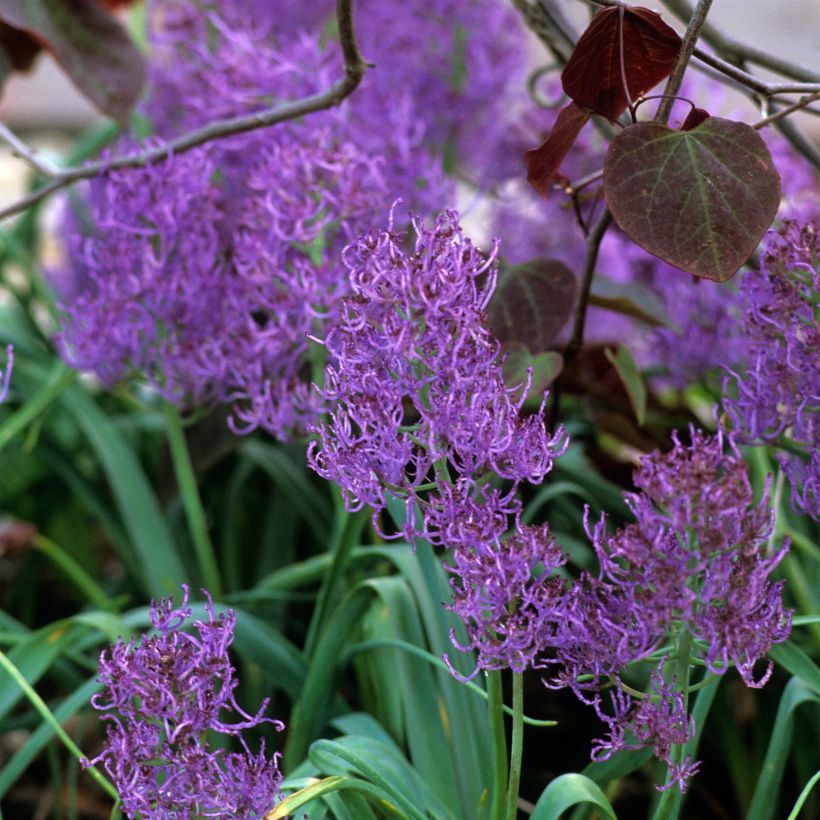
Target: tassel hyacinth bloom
x=161, y=697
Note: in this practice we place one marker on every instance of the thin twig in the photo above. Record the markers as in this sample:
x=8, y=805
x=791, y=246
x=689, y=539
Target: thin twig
x=594, y=240
x=690, y=39
x=784, y=112
x=354, y=68
x=740, y=52
x=539, y=20
x=26, y=153
x=750, y=81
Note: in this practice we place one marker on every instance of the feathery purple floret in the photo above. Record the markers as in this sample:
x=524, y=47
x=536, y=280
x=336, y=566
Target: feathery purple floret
x=778, y=395
x=161, y=697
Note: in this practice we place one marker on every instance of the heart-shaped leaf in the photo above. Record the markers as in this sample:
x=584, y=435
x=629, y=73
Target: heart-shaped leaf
x=543, y=162
x=90, y=45
x=624, y=47
x=701, y=200
x=532, y=302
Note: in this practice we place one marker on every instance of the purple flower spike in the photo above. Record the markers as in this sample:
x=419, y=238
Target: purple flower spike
x=414, y=381
x=161, y=697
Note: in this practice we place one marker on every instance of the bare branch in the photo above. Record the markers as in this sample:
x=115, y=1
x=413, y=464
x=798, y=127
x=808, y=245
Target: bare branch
x=594, y=240
x=784, y=112
x=354, y=69
x=690, y=38
x=737, y=52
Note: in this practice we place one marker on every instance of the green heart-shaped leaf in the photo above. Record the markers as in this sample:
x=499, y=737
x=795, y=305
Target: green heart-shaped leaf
x=701, y=200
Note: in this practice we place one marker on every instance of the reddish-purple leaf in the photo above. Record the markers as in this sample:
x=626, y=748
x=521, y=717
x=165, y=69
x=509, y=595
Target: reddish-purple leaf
x=543, y=162
x=701, y=200
x=90, y=45
x=694, y=118
x=532, y=302
x=17, y=47
x=621, y=43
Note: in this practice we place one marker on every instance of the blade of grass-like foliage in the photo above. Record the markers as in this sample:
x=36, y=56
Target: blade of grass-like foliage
x=425, y=733
x=764, y=799
x=230, y=551
x=348, y=805
x=567, y=791
x=155, y=553
x=794, y=660
x=804, y=795
x=75, y=573
x=44, y=734
x=291, y=482
x=85, y=494
x=438, y=663
x=191, y=501
x=39, y=704
x=547, y=493
x=328, y=785
x=307, y=572
x=383, y=765
x=574, y=466
x=52, y=387
x=32, y=657
x=469, y=733
x=603, y=772
x=310, y=711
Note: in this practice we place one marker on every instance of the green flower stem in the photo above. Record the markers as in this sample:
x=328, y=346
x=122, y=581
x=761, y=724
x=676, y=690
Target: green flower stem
x=667, y=804
x=60, y=379
x=347, y=533
x=517, y=745
x=495, y=705
x=804, y=795
x=39, y=704
x=90, y=589
x=186, y=480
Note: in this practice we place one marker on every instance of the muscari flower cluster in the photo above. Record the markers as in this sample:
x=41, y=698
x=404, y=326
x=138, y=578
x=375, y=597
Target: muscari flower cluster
x=694, y=563
x=777, y=397
x=162, y=696
x=419, y=411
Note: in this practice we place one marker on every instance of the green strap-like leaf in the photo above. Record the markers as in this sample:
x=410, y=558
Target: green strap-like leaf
x=764, y=800
x=567, y=791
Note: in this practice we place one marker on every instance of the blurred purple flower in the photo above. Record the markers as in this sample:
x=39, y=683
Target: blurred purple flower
x=161, y=697
x=209, y=295
x=778, y=395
